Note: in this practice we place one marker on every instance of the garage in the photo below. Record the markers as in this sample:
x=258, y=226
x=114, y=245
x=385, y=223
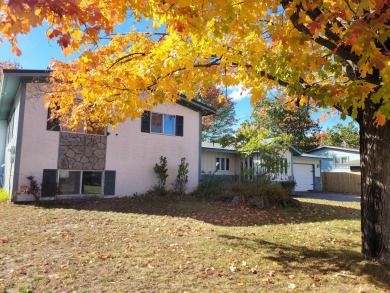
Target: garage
x=304, y=177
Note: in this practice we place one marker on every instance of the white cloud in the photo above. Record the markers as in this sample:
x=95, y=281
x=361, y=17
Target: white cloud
x=238, y=93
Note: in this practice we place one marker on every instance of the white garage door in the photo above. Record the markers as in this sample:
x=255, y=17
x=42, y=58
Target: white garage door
x=303, y=175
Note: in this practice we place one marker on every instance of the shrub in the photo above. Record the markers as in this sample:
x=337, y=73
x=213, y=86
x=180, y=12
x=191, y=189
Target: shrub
x=4, y=196
x=256, y=188
x=161, y=171
x=210, y=184
x=289, y=186
x=182, y=177
x=33, y=189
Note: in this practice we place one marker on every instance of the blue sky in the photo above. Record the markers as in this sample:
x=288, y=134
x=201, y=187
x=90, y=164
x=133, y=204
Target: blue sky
x=38, y=51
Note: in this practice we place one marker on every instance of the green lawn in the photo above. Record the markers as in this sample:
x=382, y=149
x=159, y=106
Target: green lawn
x=183, y=244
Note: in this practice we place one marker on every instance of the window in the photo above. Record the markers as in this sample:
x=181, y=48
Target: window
x=91, y=127
x=92, y=182
x=162, y=123
x=169, y=124
x=222, y=164
x=10, y=129
x=156, y=123
x=69, y=182
x=52, y=124
x=340, y=161
x=80, y=182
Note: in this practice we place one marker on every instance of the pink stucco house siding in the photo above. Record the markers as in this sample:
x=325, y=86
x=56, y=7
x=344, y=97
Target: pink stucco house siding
x=116, y=162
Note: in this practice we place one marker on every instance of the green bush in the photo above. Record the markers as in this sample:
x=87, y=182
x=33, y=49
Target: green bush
x=209, y=185
x=214, y=187
x=262, y=188
x=4, y=196
x=289, y=186
x=180, y=184
x=161, y=171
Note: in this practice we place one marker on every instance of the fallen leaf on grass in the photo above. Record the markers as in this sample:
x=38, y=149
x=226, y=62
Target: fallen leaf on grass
x=232, y=268
x=271, y=273
x=291, y=286
x=260, y=275
x=315, y=278
x=209, y=271
x=345, y=274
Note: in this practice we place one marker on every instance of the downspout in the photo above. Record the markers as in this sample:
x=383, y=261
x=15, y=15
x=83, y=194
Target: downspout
x=292, y=165
x=200, y=149
x=321, y=176
x=314, y=177
x=22, y=102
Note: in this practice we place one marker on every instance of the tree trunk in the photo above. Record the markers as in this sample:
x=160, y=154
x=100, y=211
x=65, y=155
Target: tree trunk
x=375, y=201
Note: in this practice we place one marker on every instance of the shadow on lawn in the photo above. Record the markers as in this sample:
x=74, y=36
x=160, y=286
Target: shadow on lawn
x=217, y=213
x=338, y=262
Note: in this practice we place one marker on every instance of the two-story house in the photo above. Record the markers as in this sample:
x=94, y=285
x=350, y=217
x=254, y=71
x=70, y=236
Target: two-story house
x=105, y=162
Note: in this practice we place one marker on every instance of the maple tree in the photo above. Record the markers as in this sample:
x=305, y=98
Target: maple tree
x=329, y=53
x=219, y=126
x=10, y=64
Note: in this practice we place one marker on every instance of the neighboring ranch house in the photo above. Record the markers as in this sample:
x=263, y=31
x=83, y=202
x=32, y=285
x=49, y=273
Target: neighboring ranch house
x=220, y=161
x=337, y=158
x=304, y=168
x=109, y=163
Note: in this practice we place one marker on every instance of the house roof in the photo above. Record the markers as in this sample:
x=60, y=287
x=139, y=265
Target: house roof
x=9, y=85
x=216, y=147
x=10, y=80
x=334, y=148
x=196, y=105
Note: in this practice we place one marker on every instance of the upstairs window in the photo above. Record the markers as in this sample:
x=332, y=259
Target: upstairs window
x=162, y=123
x=156, y=123
x=55, y=125
x=52, y=124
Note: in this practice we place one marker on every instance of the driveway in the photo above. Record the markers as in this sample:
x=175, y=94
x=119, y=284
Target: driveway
x=328, y=196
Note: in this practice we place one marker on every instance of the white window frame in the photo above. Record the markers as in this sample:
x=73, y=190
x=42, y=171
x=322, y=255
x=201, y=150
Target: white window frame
x=219, y=165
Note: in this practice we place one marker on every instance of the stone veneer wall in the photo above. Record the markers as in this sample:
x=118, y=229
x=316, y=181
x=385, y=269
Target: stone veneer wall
x=80, y=151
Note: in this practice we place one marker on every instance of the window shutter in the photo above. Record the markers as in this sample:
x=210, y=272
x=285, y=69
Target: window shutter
x=227, y=164
x=179, y=125
x=109, y=182
x=49, y=183
x=52, y=125
x=145, y=122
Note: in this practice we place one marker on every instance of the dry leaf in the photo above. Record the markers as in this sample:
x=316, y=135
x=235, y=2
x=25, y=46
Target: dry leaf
x=291, y=286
